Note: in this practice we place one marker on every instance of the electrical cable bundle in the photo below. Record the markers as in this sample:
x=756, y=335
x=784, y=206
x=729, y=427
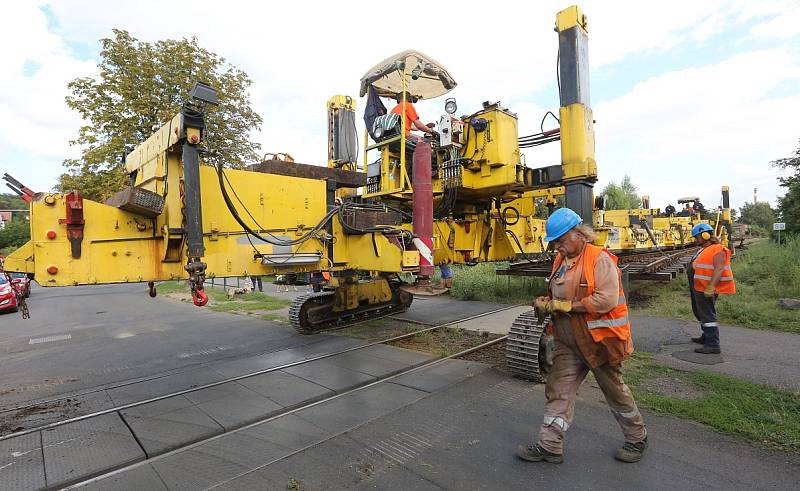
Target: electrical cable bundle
x=537, y=139
x=351, y=208
x=451, y=180
x=543, y=136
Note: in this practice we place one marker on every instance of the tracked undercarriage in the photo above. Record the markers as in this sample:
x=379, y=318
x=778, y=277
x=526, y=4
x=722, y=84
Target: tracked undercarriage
x=348, y=304
x=529, y=348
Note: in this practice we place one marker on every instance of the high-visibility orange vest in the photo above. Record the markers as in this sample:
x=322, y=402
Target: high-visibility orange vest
x=614, y=323
x=703, y=266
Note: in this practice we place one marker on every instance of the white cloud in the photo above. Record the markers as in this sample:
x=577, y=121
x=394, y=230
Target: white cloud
x=689, y=131
x=35, y=125
x=784, y=25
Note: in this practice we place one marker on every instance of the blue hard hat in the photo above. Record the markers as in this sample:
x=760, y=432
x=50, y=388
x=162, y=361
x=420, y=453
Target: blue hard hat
x=560, y=222
x=700, y=228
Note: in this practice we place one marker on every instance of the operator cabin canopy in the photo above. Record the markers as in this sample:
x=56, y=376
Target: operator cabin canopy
x=426, y=78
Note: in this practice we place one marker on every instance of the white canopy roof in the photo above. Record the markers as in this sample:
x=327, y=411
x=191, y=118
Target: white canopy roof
x=432, y=79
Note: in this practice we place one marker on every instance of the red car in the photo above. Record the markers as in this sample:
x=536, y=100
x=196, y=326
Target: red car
x=8, y=297
x=22, y=283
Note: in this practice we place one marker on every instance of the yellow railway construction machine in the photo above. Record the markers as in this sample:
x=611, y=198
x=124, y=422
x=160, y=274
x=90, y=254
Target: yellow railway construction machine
x=448, y=199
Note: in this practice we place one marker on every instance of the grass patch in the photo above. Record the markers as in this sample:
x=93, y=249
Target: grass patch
x=249, y=302
x=166, y=287
x=764, y=272
x=758, y=413
x=274, y=318
x=480, y=282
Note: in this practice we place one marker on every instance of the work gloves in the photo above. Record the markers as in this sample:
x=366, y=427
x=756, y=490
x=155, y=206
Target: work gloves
x=710, y=291
x=540, y=304
x=559, y=306
x=554, y=306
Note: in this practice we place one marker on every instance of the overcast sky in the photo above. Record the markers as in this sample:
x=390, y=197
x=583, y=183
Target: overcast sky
x=687, y=96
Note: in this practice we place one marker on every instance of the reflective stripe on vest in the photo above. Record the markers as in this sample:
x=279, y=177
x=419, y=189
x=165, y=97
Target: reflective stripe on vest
x=611, y=324
x=607, y=322
x=703, y=266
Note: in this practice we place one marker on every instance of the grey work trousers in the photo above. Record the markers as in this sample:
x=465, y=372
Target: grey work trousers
x=568, y=372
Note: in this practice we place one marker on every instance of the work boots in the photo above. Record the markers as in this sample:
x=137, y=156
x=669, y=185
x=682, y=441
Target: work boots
x=535, y=453
x=631, y=452
x=708, y=350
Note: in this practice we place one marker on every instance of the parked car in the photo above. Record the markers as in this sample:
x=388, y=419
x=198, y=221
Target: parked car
x=22, y=283
x=8, y=297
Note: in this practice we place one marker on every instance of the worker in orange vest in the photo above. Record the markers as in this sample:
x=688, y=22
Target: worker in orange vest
x=592, y=333
x=710, y=274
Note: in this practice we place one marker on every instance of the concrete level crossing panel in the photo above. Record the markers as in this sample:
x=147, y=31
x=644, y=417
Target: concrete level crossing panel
x=148, y=389
x=143, y=478
x=22, y=463
x=233, y=405
x=285, y=389
x=168, y=424
x=89, y=447
x=216, y=461
x=369, y=365
x=330, y=375
x=440, y=375
x=359, y=407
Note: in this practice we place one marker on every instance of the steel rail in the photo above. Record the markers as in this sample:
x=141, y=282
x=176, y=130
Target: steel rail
x=423, y=366
x=248, y=375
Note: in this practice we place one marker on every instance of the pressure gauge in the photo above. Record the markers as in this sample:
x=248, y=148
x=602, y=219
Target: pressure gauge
x=450, y=106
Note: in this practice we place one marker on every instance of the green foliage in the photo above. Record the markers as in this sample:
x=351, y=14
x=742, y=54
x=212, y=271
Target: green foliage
x=756, y=412
x=142, y=85
x=10, y=201
x=621, y=196
x=789, y=204
x=760, y=214
x=789, y=207
x=480, y=282
x=15, y=234
x=764, y=273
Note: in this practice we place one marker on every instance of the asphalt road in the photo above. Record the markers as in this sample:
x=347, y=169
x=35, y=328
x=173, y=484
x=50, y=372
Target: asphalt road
x=79, y=338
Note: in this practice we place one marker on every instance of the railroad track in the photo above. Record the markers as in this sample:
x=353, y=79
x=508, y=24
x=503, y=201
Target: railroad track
x=653, y=266
x=428, y=364
x=117, y=409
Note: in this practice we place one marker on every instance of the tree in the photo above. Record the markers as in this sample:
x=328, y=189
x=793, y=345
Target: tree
x=621, y=196
x=760, y=214
x=142, y=85
x=10, y=201
x=789, y=204
x=15, y=234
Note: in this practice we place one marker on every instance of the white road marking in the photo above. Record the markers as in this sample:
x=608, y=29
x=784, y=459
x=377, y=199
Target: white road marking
x=50, y=339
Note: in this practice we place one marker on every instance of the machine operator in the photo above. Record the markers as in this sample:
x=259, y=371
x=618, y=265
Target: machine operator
x=412, y=118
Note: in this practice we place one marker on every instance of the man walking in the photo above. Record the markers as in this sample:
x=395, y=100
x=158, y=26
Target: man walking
x=592, y=333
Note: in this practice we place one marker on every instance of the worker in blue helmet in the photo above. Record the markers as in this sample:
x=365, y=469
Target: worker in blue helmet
x=710, y=275
x=589, y=321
